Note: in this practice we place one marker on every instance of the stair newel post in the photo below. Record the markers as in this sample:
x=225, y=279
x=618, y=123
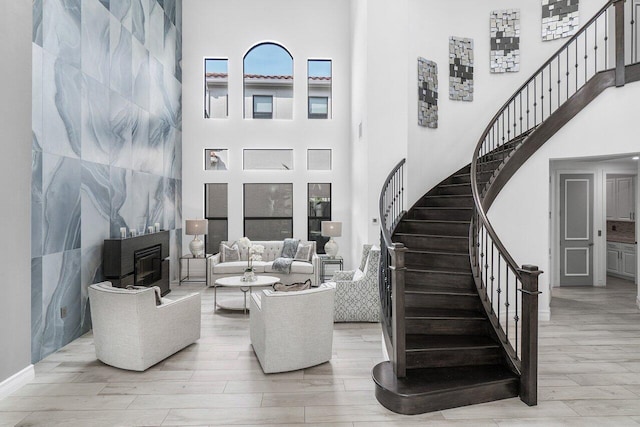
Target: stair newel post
x=529, y=351
x=619, y=28
x=397, y=252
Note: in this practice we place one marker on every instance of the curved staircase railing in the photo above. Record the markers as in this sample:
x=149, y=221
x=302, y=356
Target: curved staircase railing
x=391, y=280
x=595, y=58
x=578, y=71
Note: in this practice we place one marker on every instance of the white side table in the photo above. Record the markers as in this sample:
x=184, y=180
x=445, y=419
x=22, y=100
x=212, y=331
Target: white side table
x=187, y=279
x=237, y=282
x=326, y=260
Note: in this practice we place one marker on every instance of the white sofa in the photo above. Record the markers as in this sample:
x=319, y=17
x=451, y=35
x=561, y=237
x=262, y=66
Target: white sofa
x=131, y=332
x=292, y=330
x=300, y=270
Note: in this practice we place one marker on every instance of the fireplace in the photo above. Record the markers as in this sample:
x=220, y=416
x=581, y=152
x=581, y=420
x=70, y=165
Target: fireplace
x=147, y=266
x=141, y=260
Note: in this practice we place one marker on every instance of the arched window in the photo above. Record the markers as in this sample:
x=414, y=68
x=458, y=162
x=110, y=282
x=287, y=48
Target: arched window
x=268, y=82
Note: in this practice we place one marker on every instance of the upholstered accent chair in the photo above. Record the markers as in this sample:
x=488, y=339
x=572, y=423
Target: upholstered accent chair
x=131, y=331
x=292, y=330
x=357, y=293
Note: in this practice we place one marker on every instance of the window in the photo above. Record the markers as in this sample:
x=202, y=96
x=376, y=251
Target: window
x=216, y=211
x=267, y=159
x=268, y=82
x=262, y=107
x=318, y=107
x=319, y=196
x=268, y=211
x=216, y=159
x=319, y=88
x=216, y=89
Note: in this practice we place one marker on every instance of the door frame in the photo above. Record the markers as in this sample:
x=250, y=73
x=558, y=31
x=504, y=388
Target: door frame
x=598, y=221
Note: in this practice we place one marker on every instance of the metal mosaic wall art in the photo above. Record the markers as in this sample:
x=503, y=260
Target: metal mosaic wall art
x=560, y=18
x=505, y=41
x=460, y=69
x=427, y=93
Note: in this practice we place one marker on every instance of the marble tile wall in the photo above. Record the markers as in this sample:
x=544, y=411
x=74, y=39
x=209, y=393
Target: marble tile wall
x=560, y=18
x=427, y=93
x=505, y=41
x=460, y=69
x=107, y=141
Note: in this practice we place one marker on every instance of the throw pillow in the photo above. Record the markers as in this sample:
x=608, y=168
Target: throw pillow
x=289, y=248
x=155, y=289
x=230, y=253
x=281, y=287
x=304, y=252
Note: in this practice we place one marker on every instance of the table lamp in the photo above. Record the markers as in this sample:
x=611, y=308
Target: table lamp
x=331, y=229
x=195, y=227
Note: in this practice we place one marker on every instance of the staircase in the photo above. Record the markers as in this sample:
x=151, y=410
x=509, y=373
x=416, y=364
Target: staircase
x=448, y=333
x=459, y=316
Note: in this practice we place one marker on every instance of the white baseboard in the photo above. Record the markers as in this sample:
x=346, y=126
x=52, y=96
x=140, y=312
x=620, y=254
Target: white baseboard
x=16, y=381
x=544, y=315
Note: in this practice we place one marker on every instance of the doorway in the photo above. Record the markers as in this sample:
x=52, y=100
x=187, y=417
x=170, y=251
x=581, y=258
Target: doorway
x=576, y=229
x=582, y=225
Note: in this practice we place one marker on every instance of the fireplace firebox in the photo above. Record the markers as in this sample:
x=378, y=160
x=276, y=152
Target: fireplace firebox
x=147, y=266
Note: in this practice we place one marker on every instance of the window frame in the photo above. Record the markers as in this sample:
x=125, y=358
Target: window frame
x=214, y=217
x=261, y=115
x=320, y=241
x=246, y=218
x=311, y=115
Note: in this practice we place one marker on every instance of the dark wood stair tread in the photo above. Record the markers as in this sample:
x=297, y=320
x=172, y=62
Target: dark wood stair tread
x=433, y=389
x=440, y=290
x=437, y=252
x=419, y=342
x=432, y=235
x=441, y=313
x=465, y=208
x=442, y=270
x=434, y=221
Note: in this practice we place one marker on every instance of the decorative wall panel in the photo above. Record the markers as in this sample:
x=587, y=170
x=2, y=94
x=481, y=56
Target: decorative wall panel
x=505, y=41
x=460, y=69
x=560, y=18
x=427, y=93
x=107, y=146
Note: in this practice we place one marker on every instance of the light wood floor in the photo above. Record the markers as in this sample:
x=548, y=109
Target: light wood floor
x=589, y=375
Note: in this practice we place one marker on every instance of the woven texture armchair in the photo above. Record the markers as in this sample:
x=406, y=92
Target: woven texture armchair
x=357, y=293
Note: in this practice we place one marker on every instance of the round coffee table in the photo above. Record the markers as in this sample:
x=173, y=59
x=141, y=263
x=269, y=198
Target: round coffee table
x=237, y=282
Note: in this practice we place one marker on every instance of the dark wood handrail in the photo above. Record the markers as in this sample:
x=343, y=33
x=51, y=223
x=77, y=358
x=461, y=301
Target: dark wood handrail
x=480, y=209
x=386, y=232
x=501, y=150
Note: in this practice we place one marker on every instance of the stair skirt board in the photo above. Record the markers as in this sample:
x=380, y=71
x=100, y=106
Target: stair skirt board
x=433, y=389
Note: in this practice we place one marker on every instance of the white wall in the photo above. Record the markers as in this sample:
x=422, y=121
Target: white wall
x=379, y=106
x=436, y=153
x=15, y=174
x=228, y=29
x=520, y=214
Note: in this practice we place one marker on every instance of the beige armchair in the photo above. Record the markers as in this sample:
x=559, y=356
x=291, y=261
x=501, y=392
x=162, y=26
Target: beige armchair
x=292, y=330
x=357, y=293
x=131, y=332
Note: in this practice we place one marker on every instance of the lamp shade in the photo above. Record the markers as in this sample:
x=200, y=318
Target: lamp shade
x=195, y=227
x=331, y=228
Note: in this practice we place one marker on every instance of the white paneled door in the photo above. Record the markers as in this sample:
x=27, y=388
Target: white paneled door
x=576, y=230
